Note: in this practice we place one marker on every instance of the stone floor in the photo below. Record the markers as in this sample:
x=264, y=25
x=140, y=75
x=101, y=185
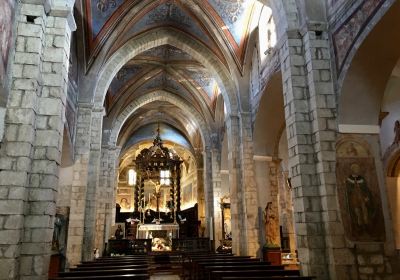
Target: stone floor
x=161, y=276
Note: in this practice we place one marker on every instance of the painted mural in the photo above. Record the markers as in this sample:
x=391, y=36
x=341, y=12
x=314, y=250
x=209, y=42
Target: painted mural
x=358, y=192
x=346, y=34
x=6, y=25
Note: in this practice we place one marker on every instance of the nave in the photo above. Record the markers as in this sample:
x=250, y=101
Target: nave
x=269, y=128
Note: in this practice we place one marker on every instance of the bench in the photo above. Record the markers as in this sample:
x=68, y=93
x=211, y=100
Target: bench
x=198, y=267
x=106, y=277
x=103, y=272
x=218, y=274
x=268, y=278
x=131, y=266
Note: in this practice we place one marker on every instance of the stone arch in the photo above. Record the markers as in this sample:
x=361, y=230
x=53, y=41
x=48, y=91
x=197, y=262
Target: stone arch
x=178, y=39
x=159, y=95
x=270, y=118
x=358, y=42
x=372, y=63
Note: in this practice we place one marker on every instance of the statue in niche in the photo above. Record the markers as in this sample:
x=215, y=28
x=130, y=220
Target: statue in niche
x=359, y=200
x=271, y=225
x=396, y=132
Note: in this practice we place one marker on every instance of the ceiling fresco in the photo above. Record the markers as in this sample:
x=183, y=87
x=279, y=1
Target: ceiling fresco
x=148, y=132
x=164, y=67
x=230, y=17
x=125, y=74
x=166, y=52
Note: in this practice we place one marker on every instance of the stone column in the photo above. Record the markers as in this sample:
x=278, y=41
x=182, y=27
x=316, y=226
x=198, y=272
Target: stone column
x=243, y=194
x=311, y=131
x=106, y=199
x=92, y=183
x=286, y=209
x=200, y=190
x=213, y=190
x=30, y=156
x=238, y=232
x=79, y=183
x=216, y=193
x=208, y=199
x=340, y=260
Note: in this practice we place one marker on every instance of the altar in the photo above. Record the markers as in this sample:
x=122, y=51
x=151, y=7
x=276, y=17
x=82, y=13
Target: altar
x=160, y=234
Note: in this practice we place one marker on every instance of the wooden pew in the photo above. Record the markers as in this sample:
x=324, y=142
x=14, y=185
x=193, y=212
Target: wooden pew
x=101, y=272
x=218, y=274
x=207, y=270
x=106, y=277
x=192, y=264
x=111, y=263
x=269, y=278
x=99, y=267
x=198, y=267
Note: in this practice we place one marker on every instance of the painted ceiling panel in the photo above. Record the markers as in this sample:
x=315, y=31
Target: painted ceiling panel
x=166, y=52
x=231, y=17
x=203, y=81
x=123, y=76
x=168, y=14
x=167, y=133
x=101, y=11
x=234, y=14
x=164, y=81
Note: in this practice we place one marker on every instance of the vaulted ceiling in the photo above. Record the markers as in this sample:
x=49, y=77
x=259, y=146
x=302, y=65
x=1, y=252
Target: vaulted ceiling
x=221, y=26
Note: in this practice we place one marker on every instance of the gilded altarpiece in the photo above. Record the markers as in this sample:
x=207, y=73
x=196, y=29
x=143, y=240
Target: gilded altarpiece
x=358, y=192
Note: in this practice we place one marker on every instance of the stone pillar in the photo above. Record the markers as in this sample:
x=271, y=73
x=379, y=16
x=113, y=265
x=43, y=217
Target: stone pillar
x=238, y=246
x=30, y=156
x=311, y=131
x=243, y=194
x=208, y=199
x=216, y=193
x=286, y=209
x=106, y=199
x=92, y=183
x=200, y=191
x=213, y=191
x=79, y=183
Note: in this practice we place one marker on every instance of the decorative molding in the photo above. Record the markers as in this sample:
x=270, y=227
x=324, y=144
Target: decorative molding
x=360, y=129
x=263, y=158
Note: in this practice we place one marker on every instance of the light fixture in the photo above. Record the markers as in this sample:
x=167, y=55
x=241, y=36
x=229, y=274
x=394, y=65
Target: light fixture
x=131, y=177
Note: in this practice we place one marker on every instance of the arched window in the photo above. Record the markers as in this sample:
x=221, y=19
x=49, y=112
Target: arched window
x=267, y=33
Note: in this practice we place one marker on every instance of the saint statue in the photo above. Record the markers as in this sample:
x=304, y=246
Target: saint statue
x=119, y=233
x=271, y=226
x=396, y=132
x=58, y=223
x=359, y=200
